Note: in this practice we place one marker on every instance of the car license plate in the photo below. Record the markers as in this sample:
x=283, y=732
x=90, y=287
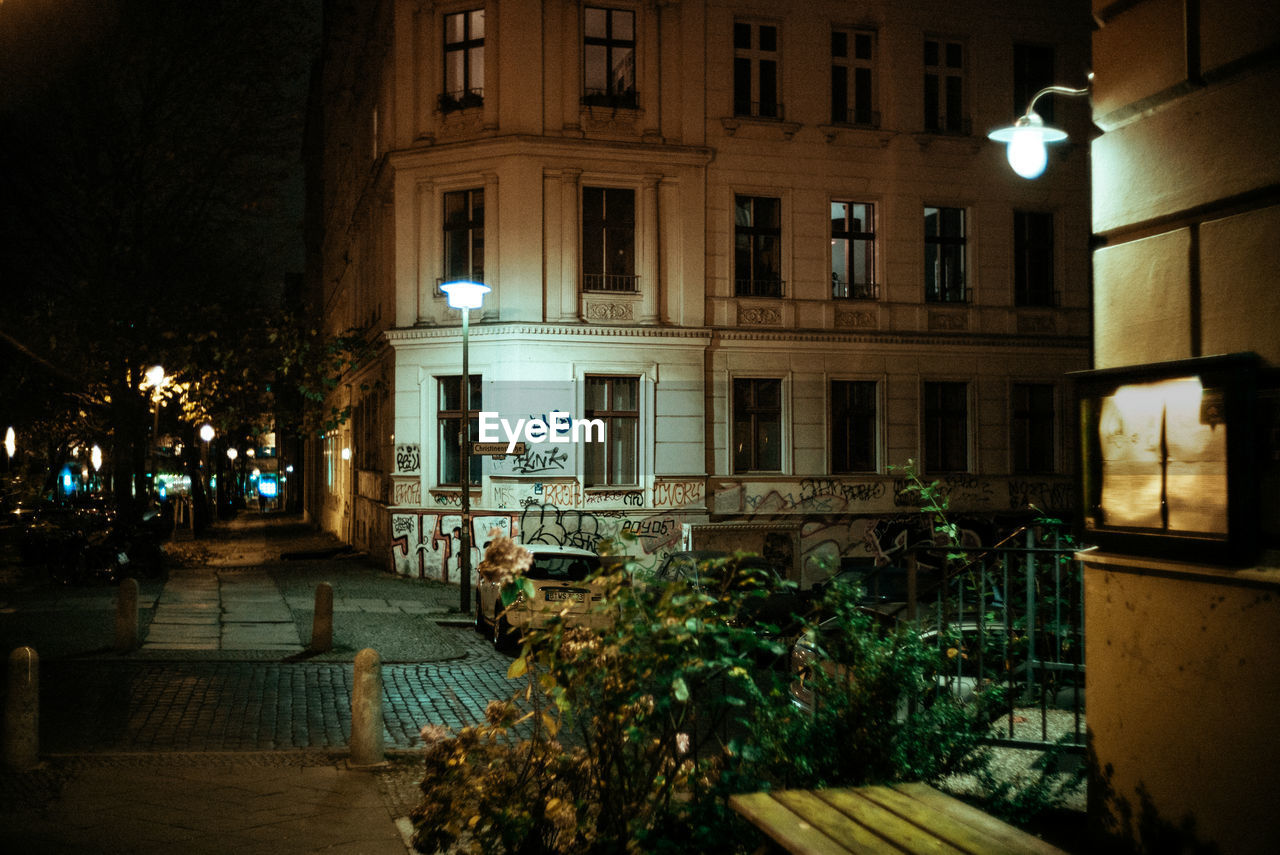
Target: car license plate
x=564, y=596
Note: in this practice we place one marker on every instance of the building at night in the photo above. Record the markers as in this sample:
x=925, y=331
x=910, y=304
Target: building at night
x=768, y=246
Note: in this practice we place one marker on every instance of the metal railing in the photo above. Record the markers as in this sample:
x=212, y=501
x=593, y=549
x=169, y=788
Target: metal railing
x=614, y=282
x=842, y=289
x=757, y=287
x=1009, y=615
x=461, y=100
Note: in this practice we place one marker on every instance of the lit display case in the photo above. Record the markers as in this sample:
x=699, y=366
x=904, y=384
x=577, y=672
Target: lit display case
x=1170, y=463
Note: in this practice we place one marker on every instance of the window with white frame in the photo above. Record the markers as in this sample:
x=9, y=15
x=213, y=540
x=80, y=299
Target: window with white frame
x=854, y=416
x=1033, y=259
x=464, y=236
x=609, y=57
x=757, y=424
x=1032, y=428
x=755, y=70
x=945, y=246
x=853, y=251
x=608, y=239
x=757, y=256
x=853, y=59
x=616, y=402
x=463, y=61
x=449, y=425
x=946, y=427
x=944, y=105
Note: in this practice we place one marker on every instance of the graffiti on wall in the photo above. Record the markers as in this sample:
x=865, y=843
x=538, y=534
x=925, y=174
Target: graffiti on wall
x=427, y=545
x=408, y=458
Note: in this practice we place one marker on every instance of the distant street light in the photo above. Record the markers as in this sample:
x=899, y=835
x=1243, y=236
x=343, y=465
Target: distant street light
x=10, y=443
x=465, y=296
x=206, y=433
x=156, y=380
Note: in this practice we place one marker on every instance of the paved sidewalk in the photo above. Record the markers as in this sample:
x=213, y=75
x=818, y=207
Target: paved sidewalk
x=222, y=732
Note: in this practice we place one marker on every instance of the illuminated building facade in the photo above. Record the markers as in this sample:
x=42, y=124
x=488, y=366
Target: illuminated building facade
x=767, y=245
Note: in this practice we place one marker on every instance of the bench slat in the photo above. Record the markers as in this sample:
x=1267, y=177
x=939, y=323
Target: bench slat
x=851, y=832
x=783, y=826
x=902, y=833
x=994, y=830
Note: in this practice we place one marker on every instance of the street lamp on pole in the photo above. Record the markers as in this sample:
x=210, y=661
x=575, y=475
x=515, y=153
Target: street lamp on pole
x=157, y=380
x=465, y=296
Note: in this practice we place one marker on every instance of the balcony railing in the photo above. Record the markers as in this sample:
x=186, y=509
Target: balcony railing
x=463, y=99
x=950, y=294
x=628, y=100
x=844, y=290
x=855, y=116
x=758, y=287
x=611, y=282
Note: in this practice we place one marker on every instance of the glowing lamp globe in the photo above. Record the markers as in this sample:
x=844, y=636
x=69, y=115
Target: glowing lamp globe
x=1025, y=141
x=465, y=295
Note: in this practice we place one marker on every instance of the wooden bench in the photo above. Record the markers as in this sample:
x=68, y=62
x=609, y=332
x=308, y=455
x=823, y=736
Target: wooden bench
x=912, y=818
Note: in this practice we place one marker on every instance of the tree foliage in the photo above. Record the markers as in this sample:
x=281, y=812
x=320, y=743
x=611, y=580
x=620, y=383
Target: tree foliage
x=145, y=206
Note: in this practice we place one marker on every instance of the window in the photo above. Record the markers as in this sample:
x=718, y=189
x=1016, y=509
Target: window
x=1032, y=426
x=946, y=427
x=609, y=57
x=331, y=461
x=755, y=70
x=944, y=250
x=616, y=402
x=463, y=61
x=853, y=426
x=852, y=61
x=1032, y=71
x=944, y=87
x=449, y=418
x=757, y=425
x=608, y=239
x=853, y=251
x=464, y=236
x=757, y=256
x=1033, y=259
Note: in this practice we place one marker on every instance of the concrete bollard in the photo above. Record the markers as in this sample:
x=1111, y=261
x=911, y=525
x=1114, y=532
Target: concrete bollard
x=127, y=616
x=322, y=620
x=366, y=709
x=22, y=711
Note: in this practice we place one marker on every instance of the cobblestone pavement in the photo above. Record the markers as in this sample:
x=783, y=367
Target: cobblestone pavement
x=110, y=706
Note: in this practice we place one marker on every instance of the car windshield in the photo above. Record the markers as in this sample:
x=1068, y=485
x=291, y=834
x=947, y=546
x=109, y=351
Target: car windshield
x=562, y=568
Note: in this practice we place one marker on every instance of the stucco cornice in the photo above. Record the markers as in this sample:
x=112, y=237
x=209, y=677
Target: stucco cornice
x=486, y=148
x=703, y=335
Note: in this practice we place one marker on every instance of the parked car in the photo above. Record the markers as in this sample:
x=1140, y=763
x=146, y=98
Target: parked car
x=562, y=588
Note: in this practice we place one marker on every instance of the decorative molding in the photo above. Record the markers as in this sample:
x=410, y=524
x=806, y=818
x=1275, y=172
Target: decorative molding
x=949, y=321
x=759, y=315
x=734, y=124
x=1029, y=324
x=854, y=318
x=608, y=311
x=451, y=334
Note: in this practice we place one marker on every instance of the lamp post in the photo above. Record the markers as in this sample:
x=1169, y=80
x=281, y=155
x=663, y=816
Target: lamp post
x=1027, y=136
x=465, y=296
x=156, y=380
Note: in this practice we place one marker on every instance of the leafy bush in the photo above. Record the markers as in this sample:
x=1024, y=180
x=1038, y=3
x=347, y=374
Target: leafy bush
x=631, y=739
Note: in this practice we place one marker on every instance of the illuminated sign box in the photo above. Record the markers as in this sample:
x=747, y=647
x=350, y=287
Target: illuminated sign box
x=1170, y=464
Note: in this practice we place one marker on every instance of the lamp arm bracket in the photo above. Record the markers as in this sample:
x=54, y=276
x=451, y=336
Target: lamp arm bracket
x=1054, y=90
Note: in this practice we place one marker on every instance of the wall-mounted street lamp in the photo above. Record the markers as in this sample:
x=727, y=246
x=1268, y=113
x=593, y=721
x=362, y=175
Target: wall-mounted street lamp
x=465, y=296
x=1027, y=136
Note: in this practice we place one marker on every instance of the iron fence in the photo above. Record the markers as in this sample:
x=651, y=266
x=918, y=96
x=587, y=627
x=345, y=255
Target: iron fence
x=1008, y=615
